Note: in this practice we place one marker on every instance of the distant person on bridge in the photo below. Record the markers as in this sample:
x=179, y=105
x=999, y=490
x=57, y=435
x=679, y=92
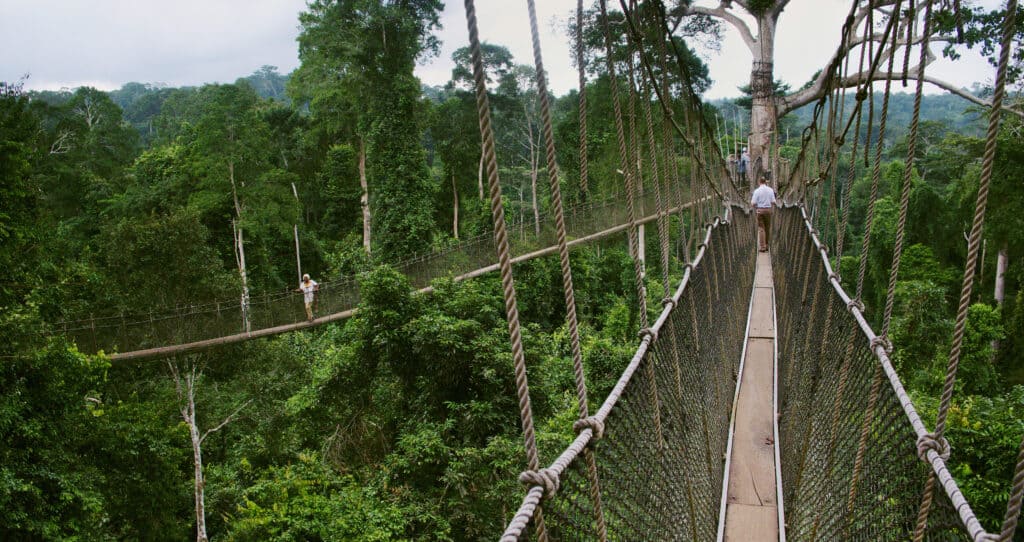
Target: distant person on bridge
x=743, y=165
x=308, y=287
x=763, y=200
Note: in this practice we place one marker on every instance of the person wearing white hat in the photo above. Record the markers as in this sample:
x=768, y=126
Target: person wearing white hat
x=308, y=287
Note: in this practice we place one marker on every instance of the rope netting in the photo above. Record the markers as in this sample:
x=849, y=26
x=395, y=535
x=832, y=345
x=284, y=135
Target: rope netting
x=850, y=469
x=665, y=488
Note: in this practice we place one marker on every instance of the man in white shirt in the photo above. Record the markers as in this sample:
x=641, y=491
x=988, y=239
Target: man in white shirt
x=762, y=201
x=308, y=287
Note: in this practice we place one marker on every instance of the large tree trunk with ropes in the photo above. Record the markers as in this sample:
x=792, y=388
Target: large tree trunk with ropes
x=763, y=120
x=763, y=111
x=767, y=107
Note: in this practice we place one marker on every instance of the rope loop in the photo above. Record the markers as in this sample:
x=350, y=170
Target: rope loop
x=855, y=304
x=547, y=478
x=668, y=301
x=688, y=266
x=595, y=425
x=862, y=94
x=832, y=275
x=840, y=140
x=882, y=341
x=824, y=250
x=927, y=442
x=645, y=332
x=702, y=245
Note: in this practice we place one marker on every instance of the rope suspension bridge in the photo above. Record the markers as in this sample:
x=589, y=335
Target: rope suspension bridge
x=760, y=404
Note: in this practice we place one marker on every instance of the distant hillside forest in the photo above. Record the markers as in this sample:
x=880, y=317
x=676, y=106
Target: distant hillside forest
x=399, y=423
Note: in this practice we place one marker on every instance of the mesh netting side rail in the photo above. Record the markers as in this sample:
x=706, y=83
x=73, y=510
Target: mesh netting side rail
x=848, y=431
x=663, y=488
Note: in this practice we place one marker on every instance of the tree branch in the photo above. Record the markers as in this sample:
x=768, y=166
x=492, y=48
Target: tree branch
x=731, y=18
x=801, y=98
x=224, y=422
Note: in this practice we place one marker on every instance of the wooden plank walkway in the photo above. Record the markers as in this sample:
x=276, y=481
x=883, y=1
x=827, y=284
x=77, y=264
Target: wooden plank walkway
x=751, y=503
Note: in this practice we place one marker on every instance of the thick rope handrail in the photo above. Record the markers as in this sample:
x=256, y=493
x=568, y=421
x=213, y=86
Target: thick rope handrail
x=504, y=254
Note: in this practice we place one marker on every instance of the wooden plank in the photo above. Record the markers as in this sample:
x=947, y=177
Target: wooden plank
x=752, y=523
x=751, y=503
x=763, y=276
x=752, y=470
x=762, y=317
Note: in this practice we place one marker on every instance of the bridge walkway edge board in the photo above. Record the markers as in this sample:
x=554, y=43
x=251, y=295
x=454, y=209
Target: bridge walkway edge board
x=751, y=509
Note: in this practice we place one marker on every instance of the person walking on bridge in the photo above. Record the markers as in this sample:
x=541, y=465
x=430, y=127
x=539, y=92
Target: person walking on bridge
x=308, y=287
x=743, y=165
x=762, y=201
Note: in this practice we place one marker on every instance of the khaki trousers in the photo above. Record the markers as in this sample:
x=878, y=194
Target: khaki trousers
x=764, y=222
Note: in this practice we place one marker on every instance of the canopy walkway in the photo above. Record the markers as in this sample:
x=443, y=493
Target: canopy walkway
x=759, y=403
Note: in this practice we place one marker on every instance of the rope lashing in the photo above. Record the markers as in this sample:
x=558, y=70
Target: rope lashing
x=855, y=304
x=665, y=302
x=593, y=423
x=648, y=332
x=547, y=478
x=882, y=341
x=929, y=441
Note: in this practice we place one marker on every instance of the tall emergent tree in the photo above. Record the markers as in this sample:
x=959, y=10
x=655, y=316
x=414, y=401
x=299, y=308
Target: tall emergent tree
x=757, y=23
x=357, y=67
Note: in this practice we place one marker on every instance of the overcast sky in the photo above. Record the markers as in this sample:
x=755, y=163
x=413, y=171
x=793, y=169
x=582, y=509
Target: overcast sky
x=106, y=43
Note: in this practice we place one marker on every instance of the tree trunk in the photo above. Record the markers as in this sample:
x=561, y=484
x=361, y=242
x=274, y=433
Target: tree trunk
x=534, y=159
x=480, y=174
x=295, y=228
x=364, y=197
x=762, y=110
x=199, y=483
x=455, y=209
x=240, y=248
x=1002, y=261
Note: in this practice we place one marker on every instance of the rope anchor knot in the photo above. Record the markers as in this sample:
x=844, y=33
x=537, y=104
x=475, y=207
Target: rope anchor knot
x=884, y=342
x=927, y=442
x=547, y=478
x=595, y=425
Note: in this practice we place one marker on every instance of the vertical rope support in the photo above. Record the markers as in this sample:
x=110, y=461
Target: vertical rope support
x=627, y=170
x=988, y=161
x=876, y=172
x=581, y=66
x=908, y=169
x=563, y=258
x=504, y=255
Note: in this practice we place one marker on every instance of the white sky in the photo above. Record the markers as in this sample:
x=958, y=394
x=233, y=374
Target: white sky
x=106, y=43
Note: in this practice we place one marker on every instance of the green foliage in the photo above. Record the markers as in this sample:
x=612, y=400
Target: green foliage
x=47, y=418
x=307, y=500
x=984, y=433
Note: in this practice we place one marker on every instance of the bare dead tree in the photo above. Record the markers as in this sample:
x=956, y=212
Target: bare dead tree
x=185, y=384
